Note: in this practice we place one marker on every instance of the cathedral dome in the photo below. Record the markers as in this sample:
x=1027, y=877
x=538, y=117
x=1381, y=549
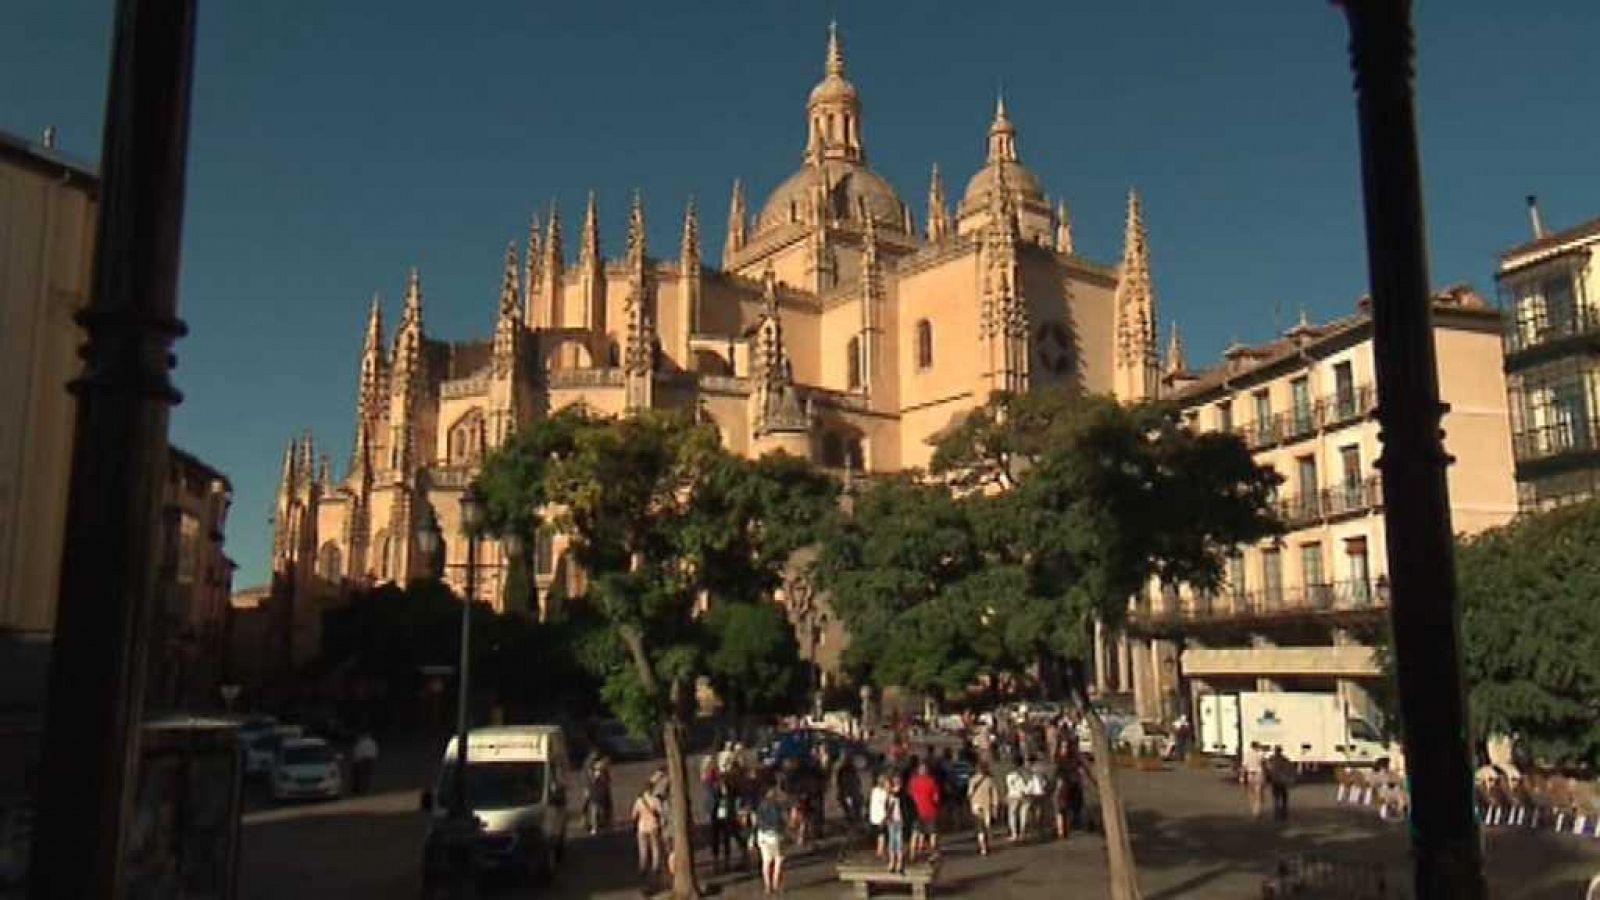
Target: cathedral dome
x=1024, y=185
x=833, y=88
x=846, y=189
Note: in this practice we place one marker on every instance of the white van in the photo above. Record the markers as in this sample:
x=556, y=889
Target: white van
x=516, y=787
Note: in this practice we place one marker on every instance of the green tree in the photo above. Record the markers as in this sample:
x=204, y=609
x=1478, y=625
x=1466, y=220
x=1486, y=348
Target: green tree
x=754, y=662
x=664, y=523
x=1530, y=631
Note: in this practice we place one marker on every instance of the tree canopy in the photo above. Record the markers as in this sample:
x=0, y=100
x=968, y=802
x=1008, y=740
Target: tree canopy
x=1044, y=512
x=1531, y=631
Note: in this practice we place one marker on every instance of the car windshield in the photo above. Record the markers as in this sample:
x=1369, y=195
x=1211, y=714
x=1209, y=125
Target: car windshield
x=496, y=785
x=1361, y=731
x=311, y=754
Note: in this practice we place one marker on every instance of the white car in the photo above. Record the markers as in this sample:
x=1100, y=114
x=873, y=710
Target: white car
x=260, y=753
x=306, y=767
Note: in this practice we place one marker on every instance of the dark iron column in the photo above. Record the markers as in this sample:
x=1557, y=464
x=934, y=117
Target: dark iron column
x=119, y=452
x=1425, y=608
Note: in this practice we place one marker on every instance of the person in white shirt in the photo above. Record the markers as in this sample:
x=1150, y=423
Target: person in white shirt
x=363, y=759
x=1253, y=772
x=878, y=811
x=1018, y=811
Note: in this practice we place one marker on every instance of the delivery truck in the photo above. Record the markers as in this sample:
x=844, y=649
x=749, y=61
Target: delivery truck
x=1312, y=728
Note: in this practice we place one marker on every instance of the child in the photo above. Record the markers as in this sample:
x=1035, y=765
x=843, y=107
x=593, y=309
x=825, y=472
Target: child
x=894, y=824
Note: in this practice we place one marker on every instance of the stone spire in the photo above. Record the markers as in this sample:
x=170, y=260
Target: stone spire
x=938, y=212
x=530, y=277
x=324, y=473
x=689, y=274
x=372, y=361
x=1175, y=356
x=871, y=306
x=777, y=406
x=591, y=269
x=305, y=467
x=510, y=290
x=1135, y=310
x=736, y=223
x=589, y=249
x=411, y=313
x=554, y=269
x=639, y=337
x=1002, y=134
x=1063, y=229
x=834, y=110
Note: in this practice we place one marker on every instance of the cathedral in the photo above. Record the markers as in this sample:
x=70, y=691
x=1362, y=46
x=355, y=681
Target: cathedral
x=835, y=329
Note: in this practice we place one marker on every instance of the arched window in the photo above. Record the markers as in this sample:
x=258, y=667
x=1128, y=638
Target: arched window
x=853, y=363
x=330, y=562
x=924, y=344
x=466, y=438
x=385, y=558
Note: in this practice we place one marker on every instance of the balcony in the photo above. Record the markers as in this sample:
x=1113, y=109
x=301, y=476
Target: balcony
x=1351, y=498
x=1333, y=411
x=1528, y=335
x=1559, y=439
x=1336, y=601
x=583, y=378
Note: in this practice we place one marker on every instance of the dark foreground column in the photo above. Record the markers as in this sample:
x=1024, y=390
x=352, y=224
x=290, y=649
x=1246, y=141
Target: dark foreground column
x=120, y=446
x=1424, y=606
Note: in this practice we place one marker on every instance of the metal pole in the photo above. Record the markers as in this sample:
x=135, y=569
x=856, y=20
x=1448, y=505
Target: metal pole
x=1424, y=611
x=113, y=508
x=463, y=808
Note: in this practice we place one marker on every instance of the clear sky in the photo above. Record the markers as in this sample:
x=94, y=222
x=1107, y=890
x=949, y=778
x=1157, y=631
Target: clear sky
x=336, y=143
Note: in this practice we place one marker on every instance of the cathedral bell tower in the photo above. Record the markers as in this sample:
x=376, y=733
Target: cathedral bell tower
x=834, y=111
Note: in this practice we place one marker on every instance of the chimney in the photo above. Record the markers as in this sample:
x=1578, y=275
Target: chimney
x=49, y=139
x=1534, y=218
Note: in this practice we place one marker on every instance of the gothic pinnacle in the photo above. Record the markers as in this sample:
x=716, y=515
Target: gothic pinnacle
x=938, y=213
x=412, y=313
x=691, y=232
x=552, y=241
x=1063, y=228
x=530, y=278
x=1175, y=355
x=636, y=236
x=374, y=340
x=736, y=223
x=508, y=283
x=590, y=249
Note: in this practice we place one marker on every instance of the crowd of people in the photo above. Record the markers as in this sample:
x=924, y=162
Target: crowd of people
x=1020, y=778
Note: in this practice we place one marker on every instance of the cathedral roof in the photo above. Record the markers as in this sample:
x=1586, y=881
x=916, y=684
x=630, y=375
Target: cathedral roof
x=1023, y=183
x=850, y=188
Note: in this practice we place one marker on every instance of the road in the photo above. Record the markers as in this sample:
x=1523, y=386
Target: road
x=1193, y=839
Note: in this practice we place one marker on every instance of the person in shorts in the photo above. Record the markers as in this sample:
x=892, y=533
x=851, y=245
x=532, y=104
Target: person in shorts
x=926, y=797
x=894, y=826
x=877, y=810
x=770, y=817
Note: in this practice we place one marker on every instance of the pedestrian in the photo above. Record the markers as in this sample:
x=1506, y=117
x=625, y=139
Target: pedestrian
x=1017, y=802
x=847, y=784
x=597, y=793
x=769, y=840
x=1280, y=774
x=983, y=795
x=877, y=811
x=1037, y=790
x=1068, y=797
x=1252, y=771
x=724, y=814
x=894, y=825
x=647, y=822
x=926, y=796
x=363, y=759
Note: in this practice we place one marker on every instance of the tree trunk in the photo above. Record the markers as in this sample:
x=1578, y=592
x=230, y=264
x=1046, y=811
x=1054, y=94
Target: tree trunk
x=1122, y=871
x=683, y=884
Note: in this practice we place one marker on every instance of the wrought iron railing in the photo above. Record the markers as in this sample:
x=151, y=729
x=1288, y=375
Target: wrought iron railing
x=1526, y=334
x=1300, y=422
x=1574, y=436
x=1288, y=601
x=1350, y=498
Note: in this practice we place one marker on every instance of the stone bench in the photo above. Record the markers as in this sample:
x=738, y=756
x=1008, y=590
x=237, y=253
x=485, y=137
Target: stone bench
x=917, y=876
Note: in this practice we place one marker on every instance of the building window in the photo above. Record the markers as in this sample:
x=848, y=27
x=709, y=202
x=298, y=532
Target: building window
x=1300, y=400
x=1306, y=472
x=1311, y=565
x=188, y=548
x=1225, y=416
x=385, y=560
x=1359, y=567
x=330, y=562
x=1264, y=433
x=1569, y=417
x=1236, y=576
x=853, y=363
x=1272, y=577
x=1350, y=462
x=1559, y=309
x=924, y=344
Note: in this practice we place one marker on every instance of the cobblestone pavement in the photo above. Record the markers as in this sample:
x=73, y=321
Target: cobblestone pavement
x=1193, y=839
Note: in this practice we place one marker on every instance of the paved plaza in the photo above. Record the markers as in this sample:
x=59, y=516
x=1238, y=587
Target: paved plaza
x=1193, y=839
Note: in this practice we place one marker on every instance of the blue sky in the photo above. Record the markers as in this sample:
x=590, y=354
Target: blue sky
x=336, y=143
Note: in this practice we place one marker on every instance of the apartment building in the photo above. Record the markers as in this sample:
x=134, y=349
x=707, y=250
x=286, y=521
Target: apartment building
x=1301, y=612
x=1548, y=288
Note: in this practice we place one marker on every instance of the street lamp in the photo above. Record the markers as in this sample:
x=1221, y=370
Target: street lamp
x=472, y=513
x=511, y=545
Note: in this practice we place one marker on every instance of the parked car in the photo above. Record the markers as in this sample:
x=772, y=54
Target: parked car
x=306, y=768
x=260, y=753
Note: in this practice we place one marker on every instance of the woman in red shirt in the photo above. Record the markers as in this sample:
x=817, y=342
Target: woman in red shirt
x=924, y=790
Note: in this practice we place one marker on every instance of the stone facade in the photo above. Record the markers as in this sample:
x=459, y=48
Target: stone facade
x=189, y=639
x=834, y=329
x=1301, y=611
